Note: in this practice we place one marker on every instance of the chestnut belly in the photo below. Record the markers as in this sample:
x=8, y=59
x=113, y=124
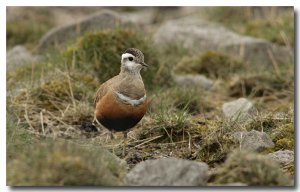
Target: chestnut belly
x=118, y=116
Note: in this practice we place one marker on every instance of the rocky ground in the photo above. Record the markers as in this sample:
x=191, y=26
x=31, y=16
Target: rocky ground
x=220, y=84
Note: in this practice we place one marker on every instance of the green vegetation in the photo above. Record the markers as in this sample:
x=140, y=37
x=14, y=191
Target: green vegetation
x=252, y=169
x=88, y=52
x=62, y=163
x=211, y=64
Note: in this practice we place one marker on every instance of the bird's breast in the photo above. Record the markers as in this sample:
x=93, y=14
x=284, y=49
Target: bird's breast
x=119, y=112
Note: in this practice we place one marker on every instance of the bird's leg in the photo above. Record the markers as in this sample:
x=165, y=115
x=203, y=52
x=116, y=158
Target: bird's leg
x=125, y=143
x=112, y=135
x=95, y=123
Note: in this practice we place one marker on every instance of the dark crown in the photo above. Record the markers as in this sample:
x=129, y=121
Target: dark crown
x=137, y=53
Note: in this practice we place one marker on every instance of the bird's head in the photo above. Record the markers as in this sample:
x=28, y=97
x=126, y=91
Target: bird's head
x=133, y=60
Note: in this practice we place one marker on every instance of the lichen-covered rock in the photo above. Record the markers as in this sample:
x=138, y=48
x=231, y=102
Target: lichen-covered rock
x=193, y=80
x=283, y=157
x=239, y=110
x=253, y=140
x=168, y=172
x=200, y=35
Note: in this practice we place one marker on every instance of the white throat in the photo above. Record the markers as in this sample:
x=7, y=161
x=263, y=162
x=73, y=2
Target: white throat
x=133, y=102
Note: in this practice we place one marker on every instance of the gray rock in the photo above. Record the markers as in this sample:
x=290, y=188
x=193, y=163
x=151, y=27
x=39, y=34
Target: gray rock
x=104, y=19
x=193, y=80
x=168, y=172
x=253, y=140
x=18, y=56
x=282, y=157
x=240, y=110
x=199, y=35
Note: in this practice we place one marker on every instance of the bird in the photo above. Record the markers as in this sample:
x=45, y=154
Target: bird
x=121, y=102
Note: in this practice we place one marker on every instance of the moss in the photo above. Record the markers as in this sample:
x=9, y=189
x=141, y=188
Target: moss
x=283, y=137
x=252, y=169
x=61, y=163
x=100, y=51
x=212, y=64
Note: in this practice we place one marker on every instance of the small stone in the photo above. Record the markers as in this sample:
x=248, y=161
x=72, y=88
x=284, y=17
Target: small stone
x=194, y=80
x=168, y=172
x=239, y=110
x=253, y=140
x=283, y=157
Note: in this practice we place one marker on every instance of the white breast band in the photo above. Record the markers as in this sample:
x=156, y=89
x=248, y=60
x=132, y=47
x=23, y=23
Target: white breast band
x=129, y=100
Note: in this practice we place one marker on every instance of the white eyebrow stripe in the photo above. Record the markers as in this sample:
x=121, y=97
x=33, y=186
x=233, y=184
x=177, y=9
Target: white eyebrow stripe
x=129, y=100
x=126, y=55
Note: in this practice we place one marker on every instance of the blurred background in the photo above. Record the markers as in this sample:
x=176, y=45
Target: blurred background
x=220, y=82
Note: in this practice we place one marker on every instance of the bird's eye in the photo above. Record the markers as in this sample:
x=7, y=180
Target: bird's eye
x=130, y=58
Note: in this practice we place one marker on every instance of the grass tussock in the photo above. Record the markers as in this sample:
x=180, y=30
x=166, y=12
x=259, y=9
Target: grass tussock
x=252, y=169
x=211, y=64
x=64, y=164
x=100, y=51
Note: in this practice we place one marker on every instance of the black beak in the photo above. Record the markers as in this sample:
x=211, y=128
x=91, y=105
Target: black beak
x=144, y=64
